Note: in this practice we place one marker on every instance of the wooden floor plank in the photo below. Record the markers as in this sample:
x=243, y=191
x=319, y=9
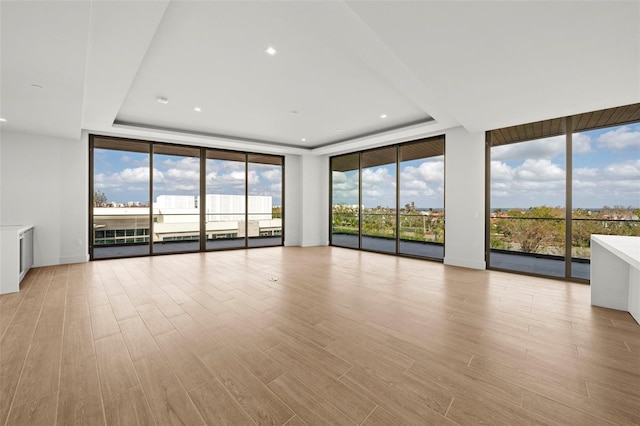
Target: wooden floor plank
x=103, y=322
x=307, y=404
x=188, y=367
x=41, y=411
x=167, y=399
x=80, y=400
x=352, y=403
x=216, y=405
x=260, y=403
x=154, y=319
x=114, y=363
x=128, y=408
x=318, y=335
x=198, y=338
x=138, y=338
x=41, y=371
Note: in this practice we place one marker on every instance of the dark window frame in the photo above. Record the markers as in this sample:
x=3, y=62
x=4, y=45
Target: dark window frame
x=126, y=144
x=398, y=160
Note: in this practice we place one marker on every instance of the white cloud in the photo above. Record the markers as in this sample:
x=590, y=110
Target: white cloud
x=235, y=176
x=338, y=178
x=501, y=171
x=585, y=172
x=547, y=148
x=273, y=175
x=539, y=170
x=181, y=174
x=377, y=176
x=620, y=138
x=626, y=170
x=581, y=143
x=252, y=177
x=427, y=171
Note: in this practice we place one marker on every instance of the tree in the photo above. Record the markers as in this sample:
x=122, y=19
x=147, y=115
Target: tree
x=99, y=198
x=531, y=235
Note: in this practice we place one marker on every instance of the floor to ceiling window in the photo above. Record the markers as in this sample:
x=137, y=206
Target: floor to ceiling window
x=264, y=182
x=225, y=199
x=378, y=218
x=421, y=221
x=153, y=198
x=345, y=196
x=390, y=199
x=556, y=182
x=528, y=206
x=605, y=188
x=120, y=209
x=176, y=191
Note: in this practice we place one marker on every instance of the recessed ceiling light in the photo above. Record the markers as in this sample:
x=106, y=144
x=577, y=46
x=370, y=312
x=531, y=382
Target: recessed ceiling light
x=303, y=139
x=337, y=130
x=3, y=120
x=383, y=115
x=197, y=109
x=271, y=51
x=162, y=100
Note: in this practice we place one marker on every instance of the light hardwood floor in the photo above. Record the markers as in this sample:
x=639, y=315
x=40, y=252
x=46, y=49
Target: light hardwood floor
x=310, y=336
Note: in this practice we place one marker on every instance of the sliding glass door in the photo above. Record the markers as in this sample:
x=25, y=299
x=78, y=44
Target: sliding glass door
x=556, y=182
x=120, y=209
x=176, y=192
x=421, y=220
x=345, y=201
x=390, y=199
x=157, y=198
x=528, y=206
x=379, y=200
x=605, y=189
x=225, y=199
x=265, y=213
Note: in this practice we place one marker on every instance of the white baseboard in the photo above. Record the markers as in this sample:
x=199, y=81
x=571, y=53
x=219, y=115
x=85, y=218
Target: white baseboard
x=465, y=263
x=74, y=259
x=52, y=261
x=313, y=243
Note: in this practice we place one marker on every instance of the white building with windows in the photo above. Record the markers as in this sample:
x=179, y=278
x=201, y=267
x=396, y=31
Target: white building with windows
x=177, y=217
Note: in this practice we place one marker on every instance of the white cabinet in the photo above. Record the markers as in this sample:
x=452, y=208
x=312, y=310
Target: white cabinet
x=615, y=273
x=16, y=256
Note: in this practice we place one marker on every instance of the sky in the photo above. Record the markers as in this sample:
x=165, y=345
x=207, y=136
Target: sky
x=124, y=176
x=606, y=170
x=421, y=182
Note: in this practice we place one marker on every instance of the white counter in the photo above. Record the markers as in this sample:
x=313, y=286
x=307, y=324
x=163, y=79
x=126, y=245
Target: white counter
x=16, y=255
x=615, y=273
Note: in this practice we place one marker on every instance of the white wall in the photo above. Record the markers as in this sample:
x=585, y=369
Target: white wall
x=315, y=200
x=306, y=200
x=292, y=200
x=44, y=183
x=464, y=198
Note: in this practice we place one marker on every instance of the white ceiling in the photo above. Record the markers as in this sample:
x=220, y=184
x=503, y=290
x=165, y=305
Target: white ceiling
x=427, y=65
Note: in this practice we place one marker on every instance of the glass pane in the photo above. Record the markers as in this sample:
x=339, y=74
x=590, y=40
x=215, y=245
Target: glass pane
x=345, y=210
x=120, y=198
x=225, y=200
x=264, y=225
x=606, y=188
x=379, y=200
x=421, y=228
x=176, y=191
x=528, y=206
